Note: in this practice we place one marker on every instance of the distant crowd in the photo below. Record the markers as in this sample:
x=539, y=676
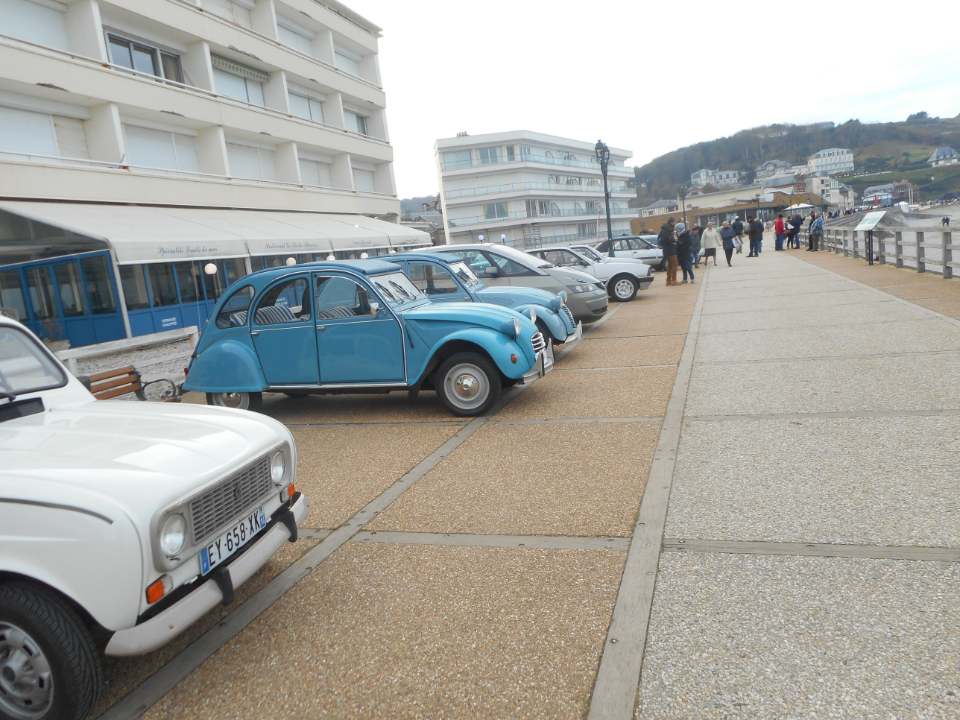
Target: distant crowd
x=683, y=247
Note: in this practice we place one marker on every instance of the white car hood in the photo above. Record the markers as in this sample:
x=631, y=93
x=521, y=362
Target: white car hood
x=138, y=455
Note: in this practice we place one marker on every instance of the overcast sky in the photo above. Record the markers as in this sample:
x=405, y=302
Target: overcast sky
x=651, y=77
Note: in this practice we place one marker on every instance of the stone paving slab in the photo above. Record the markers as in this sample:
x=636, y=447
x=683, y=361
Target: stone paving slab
x=631, y=392
x=414, y=631
x=879, y=310
x=860, y=480
x=655, y=323
x=121, y=675
x=736, y=636
x=625, y=352
x=774, y=302
x=788, y=286
x=341, y=469
x=890, y=384
x=928, y=335
x=557, y=479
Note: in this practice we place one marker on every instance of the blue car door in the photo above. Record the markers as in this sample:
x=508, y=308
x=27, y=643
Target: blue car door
x=435, y=281
x=283, y=333
x=354, y=345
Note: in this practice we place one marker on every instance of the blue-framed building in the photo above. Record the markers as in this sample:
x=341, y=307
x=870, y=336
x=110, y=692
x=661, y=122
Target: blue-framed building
x=90, y=273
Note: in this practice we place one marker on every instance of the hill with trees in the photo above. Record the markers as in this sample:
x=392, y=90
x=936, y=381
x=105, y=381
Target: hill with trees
x=877, y=147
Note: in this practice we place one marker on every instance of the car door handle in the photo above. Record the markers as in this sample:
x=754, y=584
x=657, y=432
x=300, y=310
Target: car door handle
x=321, y=328
x=254, y=333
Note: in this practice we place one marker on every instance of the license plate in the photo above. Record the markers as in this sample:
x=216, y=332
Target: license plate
x=225, y=545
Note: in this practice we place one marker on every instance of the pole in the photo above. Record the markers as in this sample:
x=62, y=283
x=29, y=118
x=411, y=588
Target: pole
x=603, y=156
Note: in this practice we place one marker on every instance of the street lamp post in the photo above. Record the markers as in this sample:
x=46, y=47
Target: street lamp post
x=603, y=157
x=683, y=202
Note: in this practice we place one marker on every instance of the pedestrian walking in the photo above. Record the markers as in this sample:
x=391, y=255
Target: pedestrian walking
x=755, y=232
x=710, y=240
x=729, y=240
x=780, y=230
x=695, y=234
x=796, y=222
x=685, y=252
x=738, y=233
x=816, y=233
x=668, y=243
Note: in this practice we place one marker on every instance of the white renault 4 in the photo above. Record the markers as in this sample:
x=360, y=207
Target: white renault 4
x=121, y=523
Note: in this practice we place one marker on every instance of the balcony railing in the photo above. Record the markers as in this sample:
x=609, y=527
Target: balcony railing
x=523, y=215
x=531, y=158
x=528, y=186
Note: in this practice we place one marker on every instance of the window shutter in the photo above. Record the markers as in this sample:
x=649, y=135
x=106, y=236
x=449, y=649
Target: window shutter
x=234, y=68
x=71, y=138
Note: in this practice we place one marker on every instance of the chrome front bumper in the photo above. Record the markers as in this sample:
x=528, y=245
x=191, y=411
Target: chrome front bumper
x=162, y=628
x=541, y=367
x=574, y=339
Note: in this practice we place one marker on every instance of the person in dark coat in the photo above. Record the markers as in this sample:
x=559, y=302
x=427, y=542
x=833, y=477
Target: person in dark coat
x=796, y=222
x=668, y=243
x=738, y=232
x=685, y=252
x=727, y=236
x=756, y=236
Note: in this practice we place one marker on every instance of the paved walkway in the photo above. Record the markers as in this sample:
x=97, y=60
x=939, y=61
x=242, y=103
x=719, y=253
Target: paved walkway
x=810, y=557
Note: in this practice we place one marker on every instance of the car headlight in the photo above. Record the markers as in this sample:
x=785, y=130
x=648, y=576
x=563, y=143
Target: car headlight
x=278, y=466
x=533, y=316
x=516, y=327
x=580, y=288
x=173, y=534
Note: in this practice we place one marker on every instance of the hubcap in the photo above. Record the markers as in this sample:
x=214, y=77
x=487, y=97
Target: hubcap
x=232, y=400
x=26, y=681
x=623, y=289
x=466, y=386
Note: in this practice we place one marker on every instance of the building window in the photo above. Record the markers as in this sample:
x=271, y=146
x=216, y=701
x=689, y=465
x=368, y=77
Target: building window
x=144, y=58
x=315, y=173
x=252, y=162
x=364, y=180
x=294, y=37
x=489, y=156
x=238, y=81
x=162, y=284
x=11, y=294
x=492, y=211
x=188, y=281
x=453, y=159
x=147, y=147
x=134, y=287
x=356, y=122
x=306, y=107
x=510, y=153
x=347, y=61
x=96, y=276
x=232, y=10
x=36, y=22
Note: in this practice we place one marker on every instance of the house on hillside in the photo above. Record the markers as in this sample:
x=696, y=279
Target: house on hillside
x=943, y=156
x=659, y=207
x=717, y=178
x=773, y=168
x=830, y=161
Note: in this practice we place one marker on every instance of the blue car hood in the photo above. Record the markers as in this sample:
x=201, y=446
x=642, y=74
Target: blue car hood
x=494, y=317
x=516, y=296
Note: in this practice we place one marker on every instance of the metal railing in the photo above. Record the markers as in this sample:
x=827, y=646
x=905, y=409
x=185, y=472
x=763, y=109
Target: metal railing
x=561, y=213
x=926, y=250
x=525, y=186
x=537, y=159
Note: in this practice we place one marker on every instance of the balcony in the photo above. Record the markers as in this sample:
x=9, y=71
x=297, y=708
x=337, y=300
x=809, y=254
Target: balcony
x=512, y=218
x=525, y=187
x=535, y=159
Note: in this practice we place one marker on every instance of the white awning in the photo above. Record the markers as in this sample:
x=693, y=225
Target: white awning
x=142, y=234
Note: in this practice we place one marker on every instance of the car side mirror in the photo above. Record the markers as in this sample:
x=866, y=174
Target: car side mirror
x=490, y=272
x=374, y=308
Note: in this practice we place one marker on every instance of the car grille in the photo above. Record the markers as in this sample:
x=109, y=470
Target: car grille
x=539, y=343
x=569, y=314
x=217, y=506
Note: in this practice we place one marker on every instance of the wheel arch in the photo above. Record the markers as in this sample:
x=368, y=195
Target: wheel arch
x=100, y=634
x=450, y=348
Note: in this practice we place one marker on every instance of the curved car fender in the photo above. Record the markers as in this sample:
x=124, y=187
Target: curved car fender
x=551, y=319
x=228, y=365
x=92, y=556
x=497, y=345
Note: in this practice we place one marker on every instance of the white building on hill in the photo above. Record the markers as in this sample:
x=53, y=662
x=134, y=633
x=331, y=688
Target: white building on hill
x=528, y=189
x=717, y=178
x=830, y=161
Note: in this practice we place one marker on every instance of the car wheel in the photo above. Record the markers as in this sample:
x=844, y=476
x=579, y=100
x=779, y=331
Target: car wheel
x=623, y=288
x=238, y=400
x=468, y=384
x=49, y=665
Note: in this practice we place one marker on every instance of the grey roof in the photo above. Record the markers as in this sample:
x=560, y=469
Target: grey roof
x=942, y=153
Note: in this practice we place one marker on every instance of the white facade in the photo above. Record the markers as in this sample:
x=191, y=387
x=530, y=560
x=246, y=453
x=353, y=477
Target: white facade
x=258, y=104
x=717, y=178
x=528, y=189
x=830, y=161
x=834, y=193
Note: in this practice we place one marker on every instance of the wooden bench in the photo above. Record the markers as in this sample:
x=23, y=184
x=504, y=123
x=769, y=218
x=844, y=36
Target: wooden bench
x=126, y=381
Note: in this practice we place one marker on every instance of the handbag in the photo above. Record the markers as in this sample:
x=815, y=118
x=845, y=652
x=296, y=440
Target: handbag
x=737, y=243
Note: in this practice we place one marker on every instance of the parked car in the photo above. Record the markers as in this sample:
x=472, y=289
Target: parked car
x=359, y=326
x=123, y=522
x=640, y=247
x=504, y=265
x=622, y=277
x=446, y=279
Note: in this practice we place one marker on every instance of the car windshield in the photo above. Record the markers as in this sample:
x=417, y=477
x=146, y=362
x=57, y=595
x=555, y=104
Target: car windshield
x=521, y=257
x=24, y=366
x=397, y=289
x=589, y=252
x=463, y=271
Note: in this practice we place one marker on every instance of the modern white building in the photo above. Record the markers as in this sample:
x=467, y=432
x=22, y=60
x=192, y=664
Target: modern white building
x=830, y=161
x=835, y=193
x=128, y=127
x=717, y=178
x=528, y=189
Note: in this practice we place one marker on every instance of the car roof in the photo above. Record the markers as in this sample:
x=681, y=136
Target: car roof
x=364, y=267
x=441, y=257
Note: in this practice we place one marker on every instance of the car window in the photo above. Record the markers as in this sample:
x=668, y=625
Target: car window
x=340, y=298
x=432, y=279
x=604, y=246
x=397, y=289
x=563, y=258
x=462, y=271
x=475, y=260
x=622, y=245
x=233, y=313
x=509, y=268
x=24, y=366
x=284, y=303
x=589, y=252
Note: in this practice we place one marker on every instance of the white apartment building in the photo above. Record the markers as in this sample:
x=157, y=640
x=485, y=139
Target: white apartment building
x=129, y=127
x=717, y=178
x=528, y=189
x=835, y=193
x=830, y=161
